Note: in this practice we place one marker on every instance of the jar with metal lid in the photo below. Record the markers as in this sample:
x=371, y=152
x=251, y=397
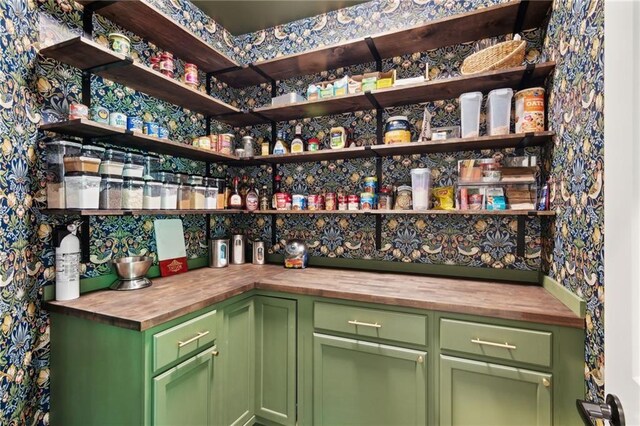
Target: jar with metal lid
x=132, y=193
x=169, y=196
x=184, y=196
x=111, y=192
x=397, y=130
x=152, y=198
x=151, y=166
x=195, y=180
x=404, y=197
x=247, y=145
x=197, y=197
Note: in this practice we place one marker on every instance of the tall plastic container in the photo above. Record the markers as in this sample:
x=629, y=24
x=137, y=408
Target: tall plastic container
x=470, y=114
x=421, y=188
x=499, y=112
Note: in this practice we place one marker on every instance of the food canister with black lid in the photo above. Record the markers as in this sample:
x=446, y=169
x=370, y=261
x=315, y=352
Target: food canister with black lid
x=397, y=130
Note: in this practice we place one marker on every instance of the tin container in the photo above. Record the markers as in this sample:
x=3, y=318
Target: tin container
x=213, y=142
x=299, y=202
x=342, y=202
x=225, y=143
x=100, y=115
x=134, y=124
x=353, y=202
x=120, y=43
x=316, y=202
x=367, y=201
x=118, y=119
x=218, y=253
x=77, y=111
x=330, y=201
x=371, y=184
x=166, y=64
x=237, y=252
x=281, y=201
x=385, y=199
x=258, y=256
x=163, y=132
x=150, y=128
x=530, y=110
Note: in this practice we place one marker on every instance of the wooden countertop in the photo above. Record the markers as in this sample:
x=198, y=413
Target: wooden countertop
x=172, y=297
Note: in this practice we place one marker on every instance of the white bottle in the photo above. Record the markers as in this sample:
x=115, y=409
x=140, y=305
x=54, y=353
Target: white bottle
x=67, y=263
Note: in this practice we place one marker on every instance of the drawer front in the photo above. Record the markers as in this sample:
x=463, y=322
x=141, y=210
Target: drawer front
x=364, y=322
x=514, y=344
x=183, y=339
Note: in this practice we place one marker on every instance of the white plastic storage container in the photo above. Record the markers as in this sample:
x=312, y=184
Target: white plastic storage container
x=152, y=199
x=499, y=112
x=82, y=190
x=132, y=193
x=470, y=114
x=169, y=196
x=421, y=188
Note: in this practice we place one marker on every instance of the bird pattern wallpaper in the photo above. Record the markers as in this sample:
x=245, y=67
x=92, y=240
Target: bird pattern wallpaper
x=35, y=90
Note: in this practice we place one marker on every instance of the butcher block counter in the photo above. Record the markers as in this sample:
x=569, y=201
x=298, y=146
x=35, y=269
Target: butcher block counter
x=171, y=297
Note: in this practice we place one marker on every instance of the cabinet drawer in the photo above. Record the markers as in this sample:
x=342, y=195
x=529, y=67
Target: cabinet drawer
x=396, y=326
x=176, y=342
x=515, y=344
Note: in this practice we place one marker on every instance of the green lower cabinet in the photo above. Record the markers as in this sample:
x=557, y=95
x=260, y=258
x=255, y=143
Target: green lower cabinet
x=479, y=393
x=237, y=364
x=275, y=360
x=183, y=395
x=362, y=383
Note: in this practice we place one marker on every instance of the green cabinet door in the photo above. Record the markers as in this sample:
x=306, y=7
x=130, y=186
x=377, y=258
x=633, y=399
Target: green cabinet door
x=183, y=395
x=362, y=383
x=479, y=393
x=276, y=359
x=237, y=364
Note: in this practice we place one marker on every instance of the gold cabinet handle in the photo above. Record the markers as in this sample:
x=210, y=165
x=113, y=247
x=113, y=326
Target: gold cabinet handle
x=504, y=345
x=193, y=339
x=420, y=359
x=546, y=382
x=215, y=352
x=365, y=324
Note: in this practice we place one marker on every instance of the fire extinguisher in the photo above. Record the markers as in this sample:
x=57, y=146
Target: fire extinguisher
x=67, y=262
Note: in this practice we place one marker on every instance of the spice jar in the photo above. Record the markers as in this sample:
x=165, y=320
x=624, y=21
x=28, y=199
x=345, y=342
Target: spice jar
x=169, y=196
x=111, y=192
x=166, y=64
x=132, y=193
x=152, y=198
x=197, y=197
x=191, y=74
x=184, y=196
x=247, y=145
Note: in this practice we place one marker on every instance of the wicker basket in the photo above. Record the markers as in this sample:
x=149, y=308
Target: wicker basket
x=503, y=55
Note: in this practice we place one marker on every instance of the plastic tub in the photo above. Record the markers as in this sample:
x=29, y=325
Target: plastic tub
x=55, y=152
x=499, y=112
x=470, y=114
x=421, y=188
x=81, y=164
x=195, y=180
x=132, y=193
x=82, y=190
x=110, y=167
x=111, y=192
x=169, y=196
x=152, y=198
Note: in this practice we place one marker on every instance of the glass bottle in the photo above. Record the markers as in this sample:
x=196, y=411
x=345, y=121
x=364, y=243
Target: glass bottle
x=244, y=188
x=251, y=199
x=264, y=198
x=235, y=198
x=297, y=144
x=277, y=187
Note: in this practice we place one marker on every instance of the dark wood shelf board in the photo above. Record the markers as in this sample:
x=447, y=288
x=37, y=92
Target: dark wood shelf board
x=98, y=212
x=86, y=54
x=321, y=107
x=83, y=128
x=460, y=28
x=145, y=20
x=531, y=213
x=311, y=156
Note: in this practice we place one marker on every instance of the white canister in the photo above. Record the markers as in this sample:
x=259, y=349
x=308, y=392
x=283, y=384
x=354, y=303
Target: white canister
x=67, y=262
x=118, y=119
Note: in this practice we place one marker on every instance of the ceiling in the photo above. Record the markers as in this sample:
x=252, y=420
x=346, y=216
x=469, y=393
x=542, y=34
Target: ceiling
x=246, y=16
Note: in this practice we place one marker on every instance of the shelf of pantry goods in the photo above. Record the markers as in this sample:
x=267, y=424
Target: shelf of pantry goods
x=145, y=20
x=94, y=212
x=460, y=28
x=114, y=135
x=433, y=90
x=86, y=54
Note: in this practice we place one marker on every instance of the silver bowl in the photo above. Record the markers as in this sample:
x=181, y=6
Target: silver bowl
x=131, y=272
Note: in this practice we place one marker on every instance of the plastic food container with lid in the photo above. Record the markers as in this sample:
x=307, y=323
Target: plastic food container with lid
x=421, y=188
x=81, y=164
x=133, y=166
x=397, y=130
x=499, y=112
x=152, y=198
x=195, y=180
x=181, y=177
x=211, y=198
x=82, y=190
x=151, y=166
x=92, y=151
x=169, y=196
x=184, y=196
x=113, y=162
x=55, y=152
x=111, y=192
x=470, y=114
x=166, y=177
x=197, y=197
x=132, y=193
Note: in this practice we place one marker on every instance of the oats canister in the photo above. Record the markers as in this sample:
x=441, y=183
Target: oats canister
x=530, y=110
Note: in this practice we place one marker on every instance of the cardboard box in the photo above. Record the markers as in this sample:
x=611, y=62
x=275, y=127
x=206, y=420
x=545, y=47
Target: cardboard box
x=386, y=79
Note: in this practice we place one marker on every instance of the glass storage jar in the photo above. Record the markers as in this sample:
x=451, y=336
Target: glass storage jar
x=184, y=196
x=111, y=192
x=169, y=196
x=132, y=193
x=152, y=198
x=82, y=190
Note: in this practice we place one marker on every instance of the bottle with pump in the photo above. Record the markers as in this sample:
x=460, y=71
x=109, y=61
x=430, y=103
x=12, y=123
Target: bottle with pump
x=67, y=248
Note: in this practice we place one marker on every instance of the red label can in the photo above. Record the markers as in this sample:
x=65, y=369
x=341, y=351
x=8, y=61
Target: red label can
x=316, y=202
x=353, y=202
x=342, y=202
x=330, y=201
x=281, y=201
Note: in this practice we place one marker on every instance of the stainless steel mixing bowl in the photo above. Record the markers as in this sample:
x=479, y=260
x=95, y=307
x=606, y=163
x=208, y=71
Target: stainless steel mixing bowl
x=129, y=268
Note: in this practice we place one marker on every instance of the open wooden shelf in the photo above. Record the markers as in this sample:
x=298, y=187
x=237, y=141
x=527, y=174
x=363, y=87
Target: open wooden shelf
x=98, y=212
x=414, y=212
x=461, y=28
x=444, y=88
x=145, y=20
x=85, y=54
x=117, y=136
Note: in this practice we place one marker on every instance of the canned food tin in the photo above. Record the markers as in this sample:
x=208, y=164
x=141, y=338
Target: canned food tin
x=530, y=110
x=316, y=202
x=353, y=202
x=213, y=142
x=191, y=74
x=385, y=201
x=330, y=201
x=371, y=184
x=367, y=201
x=163, y=132
x=281, y=201
x=225, y=143
x=118, y=119
x=150, y=128
x=299, y=202
x=134, y=124
x=120, y=43
x=204, y=142
x=100, y=115
x=342, y=202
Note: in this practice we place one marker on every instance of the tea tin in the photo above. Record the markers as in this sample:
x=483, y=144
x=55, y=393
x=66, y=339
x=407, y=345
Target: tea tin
x=150, y=129
x=134, y=124
x=118, y=119
x=100, y=115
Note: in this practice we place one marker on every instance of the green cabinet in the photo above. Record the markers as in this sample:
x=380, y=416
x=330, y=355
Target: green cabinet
x=237, y=364
x=479, y=393
x=362, y=383
x=184, y=394
x=275, y=398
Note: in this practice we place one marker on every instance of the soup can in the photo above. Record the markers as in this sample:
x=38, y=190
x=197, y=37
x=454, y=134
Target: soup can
x=118, y=119
x=299, y=202
x=213, y=142
x=342, y=202
x=371, y=184
x=353, y=202
x=367, y=201
x=530, y=110
x=330, y=201
x=150, y=128
x=134, y=124
x=225, y=143
x=281, y=201
x=316, y=202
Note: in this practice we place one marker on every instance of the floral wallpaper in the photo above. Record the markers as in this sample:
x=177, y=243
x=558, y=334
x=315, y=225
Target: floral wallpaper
x=33, y=90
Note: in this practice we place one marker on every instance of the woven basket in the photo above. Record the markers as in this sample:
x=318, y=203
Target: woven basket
x=503, y=55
